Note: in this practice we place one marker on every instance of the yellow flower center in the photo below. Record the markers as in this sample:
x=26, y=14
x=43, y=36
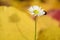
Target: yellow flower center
x=36, y=11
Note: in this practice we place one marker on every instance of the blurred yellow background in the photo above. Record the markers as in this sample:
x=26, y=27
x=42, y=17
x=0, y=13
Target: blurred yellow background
x=22, y=6
x=45, y=4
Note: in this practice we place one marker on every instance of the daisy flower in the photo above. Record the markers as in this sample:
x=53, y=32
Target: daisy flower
x=36, y=11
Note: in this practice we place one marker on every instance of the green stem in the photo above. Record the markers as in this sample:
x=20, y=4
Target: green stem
x=35, y=27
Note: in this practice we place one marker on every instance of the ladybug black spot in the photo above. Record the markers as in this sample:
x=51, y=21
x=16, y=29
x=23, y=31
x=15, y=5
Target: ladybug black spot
x=45, y=13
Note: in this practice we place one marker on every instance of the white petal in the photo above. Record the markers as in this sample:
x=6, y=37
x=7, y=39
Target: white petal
x=41, y=10
x=40, y=14
x=32, y=13
x=30, y=9
x=36, y=7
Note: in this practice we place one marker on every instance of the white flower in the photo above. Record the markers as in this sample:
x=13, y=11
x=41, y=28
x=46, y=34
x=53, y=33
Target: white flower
x=36, y=11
